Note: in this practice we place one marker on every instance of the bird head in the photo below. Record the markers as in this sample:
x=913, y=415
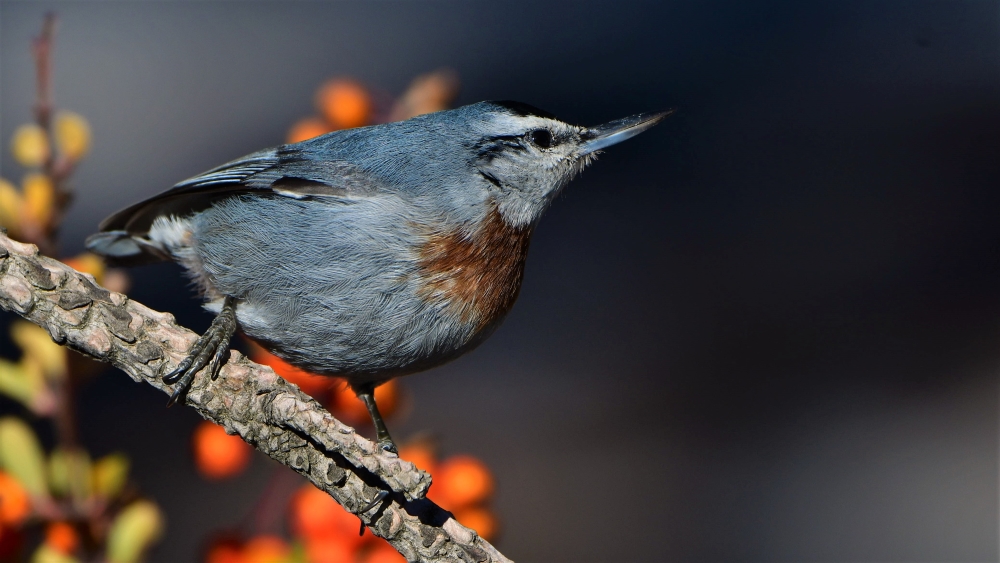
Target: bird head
x=527, y=156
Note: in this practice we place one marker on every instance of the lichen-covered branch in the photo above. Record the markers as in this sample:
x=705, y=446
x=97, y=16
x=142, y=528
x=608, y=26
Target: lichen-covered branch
x=247, y=399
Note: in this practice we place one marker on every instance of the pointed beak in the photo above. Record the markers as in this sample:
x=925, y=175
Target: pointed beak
x=597, y=138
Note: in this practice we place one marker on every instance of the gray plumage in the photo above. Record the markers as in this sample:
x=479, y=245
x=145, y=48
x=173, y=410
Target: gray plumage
x=373, y=252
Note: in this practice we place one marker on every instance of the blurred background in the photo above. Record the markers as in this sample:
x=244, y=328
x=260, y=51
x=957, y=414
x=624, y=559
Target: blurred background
x=766, y=330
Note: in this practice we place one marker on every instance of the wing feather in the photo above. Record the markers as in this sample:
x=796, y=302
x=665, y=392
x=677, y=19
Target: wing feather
x=287, y=171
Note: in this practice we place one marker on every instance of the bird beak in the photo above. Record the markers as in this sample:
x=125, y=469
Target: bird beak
x=597, y=138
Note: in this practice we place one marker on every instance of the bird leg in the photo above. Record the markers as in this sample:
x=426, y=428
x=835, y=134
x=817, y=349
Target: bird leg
x=366, y=393
x=207, y=351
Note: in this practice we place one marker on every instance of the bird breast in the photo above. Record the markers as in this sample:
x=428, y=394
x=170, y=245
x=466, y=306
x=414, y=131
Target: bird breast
x=475, y=276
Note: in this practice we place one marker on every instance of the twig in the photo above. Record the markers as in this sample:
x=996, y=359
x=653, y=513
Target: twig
x=248, y=399
x=41, y=48
x=57, y=167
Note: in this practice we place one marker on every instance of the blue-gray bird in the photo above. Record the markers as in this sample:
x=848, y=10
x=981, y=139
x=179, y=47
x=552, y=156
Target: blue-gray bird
x=366, y=253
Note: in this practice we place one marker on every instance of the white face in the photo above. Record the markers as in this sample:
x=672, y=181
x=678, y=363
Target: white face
x=528, y=159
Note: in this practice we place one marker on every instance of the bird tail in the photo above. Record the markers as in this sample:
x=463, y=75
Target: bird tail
x=119, y=248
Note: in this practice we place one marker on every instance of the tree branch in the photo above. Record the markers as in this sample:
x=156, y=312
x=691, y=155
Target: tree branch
x=248, y=399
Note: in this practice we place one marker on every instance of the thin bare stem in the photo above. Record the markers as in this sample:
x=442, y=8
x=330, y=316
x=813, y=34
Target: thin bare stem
x=57, y=167
x=42, y=50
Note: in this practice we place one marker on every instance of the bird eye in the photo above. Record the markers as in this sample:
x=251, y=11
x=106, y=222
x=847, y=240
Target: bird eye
x=540, y=138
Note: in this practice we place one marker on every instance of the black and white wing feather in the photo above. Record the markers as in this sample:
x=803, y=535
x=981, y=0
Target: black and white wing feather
x=289, y=171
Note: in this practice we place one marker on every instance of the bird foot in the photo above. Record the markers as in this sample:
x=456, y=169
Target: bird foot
x=207, y=351
x=366, y=393
x=388, y=445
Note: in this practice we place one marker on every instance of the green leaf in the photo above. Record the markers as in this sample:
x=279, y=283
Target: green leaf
x=133, y=530
x=110, y=474
x=69, y=473
x=21, y=455
x=298, y=553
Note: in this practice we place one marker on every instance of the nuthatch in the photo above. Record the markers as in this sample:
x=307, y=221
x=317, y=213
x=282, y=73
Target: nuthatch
x=366, y=253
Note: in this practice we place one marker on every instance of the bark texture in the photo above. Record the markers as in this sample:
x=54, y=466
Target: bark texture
x=247, y=399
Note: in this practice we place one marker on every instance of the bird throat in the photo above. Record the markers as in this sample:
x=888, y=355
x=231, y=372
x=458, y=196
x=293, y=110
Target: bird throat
x=475, y=275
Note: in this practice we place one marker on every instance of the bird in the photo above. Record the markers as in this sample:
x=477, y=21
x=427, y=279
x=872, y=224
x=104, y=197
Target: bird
x=367, y=253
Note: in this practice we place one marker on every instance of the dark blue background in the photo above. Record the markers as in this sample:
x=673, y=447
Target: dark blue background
x=766, y=330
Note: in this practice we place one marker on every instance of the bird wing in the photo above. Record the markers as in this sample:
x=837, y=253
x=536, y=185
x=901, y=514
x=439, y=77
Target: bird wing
x=287, y=171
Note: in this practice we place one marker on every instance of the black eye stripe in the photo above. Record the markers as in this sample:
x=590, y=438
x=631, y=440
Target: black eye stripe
x=494, y=146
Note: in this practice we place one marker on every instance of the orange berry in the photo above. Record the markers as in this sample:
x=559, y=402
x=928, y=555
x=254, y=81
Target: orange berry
x=344, y=103
x=315, y=515
x=333, y=549
x=307, y=128
x=308, y=382
x=14, y=502
x=420, y=454
x=427, y=93
x=62, y=537
x=348, y=407
x=265, y=549
x=479, y=519
x=460, y=481
x=217, y=454
x=382, y=552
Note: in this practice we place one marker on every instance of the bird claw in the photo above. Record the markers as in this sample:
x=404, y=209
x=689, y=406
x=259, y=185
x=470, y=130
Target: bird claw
x=374, y=502
x=388, y=445
x=208, y=351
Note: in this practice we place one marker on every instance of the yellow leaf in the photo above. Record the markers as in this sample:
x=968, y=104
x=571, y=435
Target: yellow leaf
x=39, y=198
x=21, y=382
x=110, y=474
x=69, y=473
x=21, y=456
x=48, y=554
x=72, y=134
x=11, y=204
x=39, y=347
x=30, y=145
x=137, y=526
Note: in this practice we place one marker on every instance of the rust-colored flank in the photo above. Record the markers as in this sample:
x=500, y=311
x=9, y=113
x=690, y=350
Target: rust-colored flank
x=476, y=275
